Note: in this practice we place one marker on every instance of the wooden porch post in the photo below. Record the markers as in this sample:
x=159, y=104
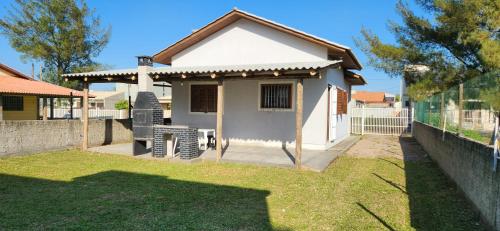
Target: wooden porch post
x=51, y=108
x=298, y=123
x=1, y=108
x=85, y=116
x=220, y=106
x=44, y=108
x=71, y=105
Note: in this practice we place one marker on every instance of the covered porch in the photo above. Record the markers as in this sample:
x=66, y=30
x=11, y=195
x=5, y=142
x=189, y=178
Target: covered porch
x=312, y=160
x=145, y=75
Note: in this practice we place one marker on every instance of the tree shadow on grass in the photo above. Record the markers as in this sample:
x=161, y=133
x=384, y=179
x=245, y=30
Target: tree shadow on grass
x=435, y=201
x=115, y=200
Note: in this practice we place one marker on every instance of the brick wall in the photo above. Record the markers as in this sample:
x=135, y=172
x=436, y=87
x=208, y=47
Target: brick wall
x=469, y=164
x=188, y=140
x=22, y=137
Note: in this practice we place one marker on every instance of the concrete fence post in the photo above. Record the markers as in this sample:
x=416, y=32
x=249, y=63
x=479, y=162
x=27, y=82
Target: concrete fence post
x=496, y=152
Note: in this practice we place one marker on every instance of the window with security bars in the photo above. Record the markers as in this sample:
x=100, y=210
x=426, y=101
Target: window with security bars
x=204, y=98
x=276, y=96
x=341, y=101
x=13, y=103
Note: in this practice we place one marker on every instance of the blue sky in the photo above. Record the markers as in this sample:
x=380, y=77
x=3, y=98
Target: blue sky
x=147, y=26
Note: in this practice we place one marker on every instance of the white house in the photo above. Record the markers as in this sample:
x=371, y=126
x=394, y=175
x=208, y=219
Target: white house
x=105, y=99
x=256, y=81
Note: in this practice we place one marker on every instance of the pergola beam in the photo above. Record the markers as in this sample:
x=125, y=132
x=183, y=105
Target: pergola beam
x=159, y=77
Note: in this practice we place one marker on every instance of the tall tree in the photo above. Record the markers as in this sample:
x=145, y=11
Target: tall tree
x=63, y=34
x=457, y=40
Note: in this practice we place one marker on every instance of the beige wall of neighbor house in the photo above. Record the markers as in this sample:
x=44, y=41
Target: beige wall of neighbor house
x=246, y=42
x=29, y=111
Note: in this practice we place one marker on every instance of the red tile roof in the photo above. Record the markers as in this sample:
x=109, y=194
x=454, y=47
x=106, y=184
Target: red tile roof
x=15, y=82
x=22, y=86
x=369, y=97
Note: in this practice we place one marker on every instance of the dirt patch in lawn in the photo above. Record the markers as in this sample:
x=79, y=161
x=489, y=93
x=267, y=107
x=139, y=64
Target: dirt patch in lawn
x=375, y=146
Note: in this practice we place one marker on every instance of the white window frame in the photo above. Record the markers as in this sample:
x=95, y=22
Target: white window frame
x=189, y=97
x=293, y=82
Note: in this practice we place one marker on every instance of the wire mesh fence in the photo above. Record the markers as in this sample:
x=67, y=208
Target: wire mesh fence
x=462, y=109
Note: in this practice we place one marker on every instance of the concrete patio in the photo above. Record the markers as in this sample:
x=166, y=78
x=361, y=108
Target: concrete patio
x=313, y=160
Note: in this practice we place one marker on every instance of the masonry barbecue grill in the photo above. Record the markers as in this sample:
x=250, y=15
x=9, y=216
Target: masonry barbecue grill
x=147, y=113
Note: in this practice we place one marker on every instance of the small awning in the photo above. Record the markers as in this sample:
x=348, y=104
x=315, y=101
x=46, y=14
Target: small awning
x=353, y=78
x=110, y=73
x=169, y=73
x=22, y=86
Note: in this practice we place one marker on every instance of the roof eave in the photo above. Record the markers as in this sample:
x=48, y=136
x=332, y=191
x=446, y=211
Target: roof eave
x=164, y=56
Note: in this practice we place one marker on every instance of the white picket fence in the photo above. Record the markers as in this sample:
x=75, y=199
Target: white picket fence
x=381, y=121
x=93, y=113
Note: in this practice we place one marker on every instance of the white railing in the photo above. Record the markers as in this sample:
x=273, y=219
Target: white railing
x=380, y=121
x=93, y=113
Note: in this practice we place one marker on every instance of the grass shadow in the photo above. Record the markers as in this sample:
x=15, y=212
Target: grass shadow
x=382, y=221
x=434, y=200
x=115, y=200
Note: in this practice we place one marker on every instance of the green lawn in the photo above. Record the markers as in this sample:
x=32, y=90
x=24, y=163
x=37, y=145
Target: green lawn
x=78, y=190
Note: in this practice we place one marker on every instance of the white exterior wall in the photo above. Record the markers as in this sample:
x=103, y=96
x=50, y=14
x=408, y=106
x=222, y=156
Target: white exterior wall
x=243, y=123
x=246, y=42
x=335, y=77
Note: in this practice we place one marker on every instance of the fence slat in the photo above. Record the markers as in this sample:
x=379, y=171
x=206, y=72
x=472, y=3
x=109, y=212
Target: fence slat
x=383, y=121
x=62, y=113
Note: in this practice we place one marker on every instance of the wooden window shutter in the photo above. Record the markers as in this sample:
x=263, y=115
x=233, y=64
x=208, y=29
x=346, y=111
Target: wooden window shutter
x=339, y=101
x=203, y=98
x=345, y=102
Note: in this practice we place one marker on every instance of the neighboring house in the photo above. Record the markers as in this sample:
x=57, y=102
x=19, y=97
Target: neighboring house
x=162, y=90
x=105, y=99
x=257, y=68
x=410, y=73
x=20, y=95
x=390, y=98
x=373, y=99
x=166, y=105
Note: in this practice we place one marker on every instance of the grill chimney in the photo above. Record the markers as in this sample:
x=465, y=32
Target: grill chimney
x=144, y=60
x=145, y=82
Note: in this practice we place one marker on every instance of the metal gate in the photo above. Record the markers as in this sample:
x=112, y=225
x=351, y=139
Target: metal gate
x=381, y=121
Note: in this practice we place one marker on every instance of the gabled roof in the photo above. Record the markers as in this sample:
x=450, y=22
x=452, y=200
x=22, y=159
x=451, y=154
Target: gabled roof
x=338, y=51
x=369, y=97
x=13, y=72
x=17, y=83
x=21, y=86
